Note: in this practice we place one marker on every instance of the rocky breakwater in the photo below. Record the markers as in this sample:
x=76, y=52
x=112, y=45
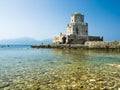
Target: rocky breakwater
x=107, y=45
x=61, y=46
x=103, y=45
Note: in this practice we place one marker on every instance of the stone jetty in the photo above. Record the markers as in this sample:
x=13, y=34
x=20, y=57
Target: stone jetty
x=113, y=45
x=61, y=46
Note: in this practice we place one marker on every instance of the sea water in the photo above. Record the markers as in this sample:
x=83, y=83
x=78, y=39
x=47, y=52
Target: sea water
x=24, y=68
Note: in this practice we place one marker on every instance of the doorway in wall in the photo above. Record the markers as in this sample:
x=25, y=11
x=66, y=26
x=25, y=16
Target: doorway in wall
x=64, y=40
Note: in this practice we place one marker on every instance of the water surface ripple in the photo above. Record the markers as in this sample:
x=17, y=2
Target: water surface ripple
x=57, y=69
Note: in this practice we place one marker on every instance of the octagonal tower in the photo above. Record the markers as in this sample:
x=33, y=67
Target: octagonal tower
x=77, y=25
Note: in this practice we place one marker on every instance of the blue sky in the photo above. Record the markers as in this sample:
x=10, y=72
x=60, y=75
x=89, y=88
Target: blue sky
x=42, y=19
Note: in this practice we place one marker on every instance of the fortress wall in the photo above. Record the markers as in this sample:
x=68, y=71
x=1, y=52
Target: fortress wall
x=101, y=44
x=95, y=38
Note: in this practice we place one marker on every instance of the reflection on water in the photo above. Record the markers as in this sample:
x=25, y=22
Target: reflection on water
x=57, y=69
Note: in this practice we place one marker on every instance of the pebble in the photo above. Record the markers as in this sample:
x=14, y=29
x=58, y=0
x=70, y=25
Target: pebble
x=92, y=80
x=7, y=88
x=67, y=62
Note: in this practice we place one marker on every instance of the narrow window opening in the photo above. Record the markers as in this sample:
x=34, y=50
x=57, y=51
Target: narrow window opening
x=77, y=30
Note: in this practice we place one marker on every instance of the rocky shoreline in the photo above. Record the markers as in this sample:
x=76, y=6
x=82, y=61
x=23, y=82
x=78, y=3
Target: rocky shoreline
x=112, y=45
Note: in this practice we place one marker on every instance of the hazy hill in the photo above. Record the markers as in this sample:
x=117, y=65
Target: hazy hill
x=25, y=41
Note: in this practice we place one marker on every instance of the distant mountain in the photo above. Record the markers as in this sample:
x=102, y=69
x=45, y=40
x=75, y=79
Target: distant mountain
x=25, y=41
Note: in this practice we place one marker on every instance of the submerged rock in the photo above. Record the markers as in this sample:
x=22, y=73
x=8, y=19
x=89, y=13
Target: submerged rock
x=4, y=84
x=114, y=65
x=67, y=62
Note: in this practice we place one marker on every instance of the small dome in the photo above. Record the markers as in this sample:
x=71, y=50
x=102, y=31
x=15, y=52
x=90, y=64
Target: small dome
x=76, y=13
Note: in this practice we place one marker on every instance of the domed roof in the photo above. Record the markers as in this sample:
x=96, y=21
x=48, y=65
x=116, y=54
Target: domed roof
x=76, y=13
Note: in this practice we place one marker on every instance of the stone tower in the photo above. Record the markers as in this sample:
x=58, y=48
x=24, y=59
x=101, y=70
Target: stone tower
x=77, y=25
x=77, y=32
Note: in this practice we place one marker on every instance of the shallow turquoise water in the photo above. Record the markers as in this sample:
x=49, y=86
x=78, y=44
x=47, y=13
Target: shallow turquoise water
x=24, y=68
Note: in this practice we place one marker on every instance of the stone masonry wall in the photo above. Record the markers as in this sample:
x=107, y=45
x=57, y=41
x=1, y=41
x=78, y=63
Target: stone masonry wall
x=101, y=44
